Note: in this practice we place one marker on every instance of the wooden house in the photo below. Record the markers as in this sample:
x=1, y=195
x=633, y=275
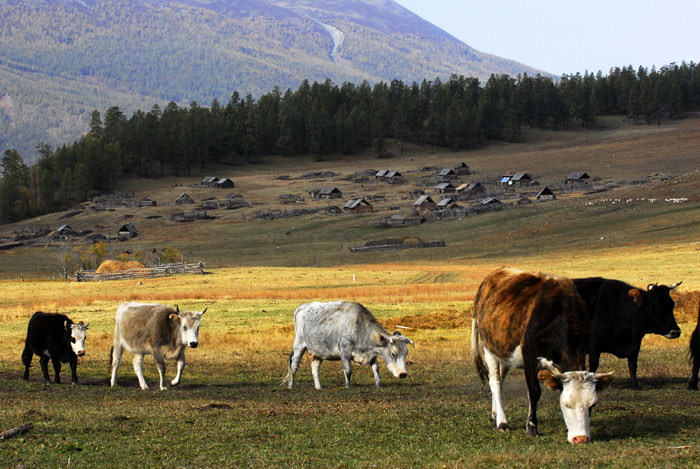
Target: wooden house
x=519, y=179
x=65, y=230
x=447, y=202
x=184, y=199
x=545, y=194
x=523, y=200
x=333, y=210
x=209, y=181
x=127, y=231
x=658, y=176
x=424, y=202
x=358, y=206
x=472, y=188
x=490, y=201
x=330, y=193
x=381, y=175
x=225, y=183
x=445, y=188
x=504, y=179
x=147, y=202
x=446, y=174
x=394, y=177
x=210, y=204
x=461, y=168
x=578, y=177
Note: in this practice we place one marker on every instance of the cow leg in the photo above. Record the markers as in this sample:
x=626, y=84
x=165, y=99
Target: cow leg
x=315, y=366
x=533, y=396
x=593, y=361
x=495, y=384
x=693, y=381
x=44, y=362
x=347, y=368
x=160, y=364
x=73, y=363
x=117, y=351
x=27, y=356
x=632, y=364
x=180, y=367
x=138, y=369
x=57, y=369
x=375, y=370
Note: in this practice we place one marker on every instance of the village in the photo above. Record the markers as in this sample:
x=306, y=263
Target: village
x=404, y=198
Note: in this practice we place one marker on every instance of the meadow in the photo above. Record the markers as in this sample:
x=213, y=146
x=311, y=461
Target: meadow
x=230, y=411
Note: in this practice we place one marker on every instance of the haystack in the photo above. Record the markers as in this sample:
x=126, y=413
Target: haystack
x=115, y=266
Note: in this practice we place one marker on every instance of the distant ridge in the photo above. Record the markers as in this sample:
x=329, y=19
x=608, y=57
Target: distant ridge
x=61, y=59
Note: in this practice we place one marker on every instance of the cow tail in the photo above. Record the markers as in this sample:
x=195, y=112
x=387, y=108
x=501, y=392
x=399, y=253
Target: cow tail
x=476, y=354
x=111, y=357
x=694, y=348
x=289, y=370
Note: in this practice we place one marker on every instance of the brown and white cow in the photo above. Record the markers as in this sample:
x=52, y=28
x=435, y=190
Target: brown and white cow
x=532, y=321
x=155, y=329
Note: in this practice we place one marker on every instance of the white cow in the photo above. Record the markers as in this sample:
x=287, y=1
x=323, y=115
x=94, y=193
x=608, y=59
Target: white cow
x=155, y=329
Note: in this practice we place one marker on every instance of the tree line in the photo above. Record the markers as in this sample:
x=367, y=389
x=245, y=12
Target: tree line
x=325, y=118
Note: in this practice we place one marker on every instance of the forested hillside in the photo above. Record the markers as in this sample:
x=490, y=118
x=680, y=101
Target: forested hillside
x=61, y=59
x=326, y=118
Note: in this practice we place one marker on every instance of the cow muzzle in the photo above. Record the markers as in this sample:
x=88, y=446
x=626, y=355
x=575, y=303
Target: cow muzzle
x=194, y=344
x=403, y=375
x=81, y=353
x=673, y=334
x=577, y=440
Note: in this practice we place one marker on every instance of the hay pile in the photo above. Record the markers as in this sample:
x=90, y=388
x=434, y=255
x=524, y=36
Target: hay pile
x=405, y=240
x=115, y=266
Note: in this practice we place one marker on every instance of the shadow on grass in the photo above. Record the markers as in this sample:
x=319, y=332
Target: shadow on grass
x=642, y=426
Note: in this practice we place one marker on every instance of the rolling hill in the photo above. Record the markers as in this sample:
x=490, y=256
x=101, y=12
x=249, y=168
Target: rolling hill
x=61, y=59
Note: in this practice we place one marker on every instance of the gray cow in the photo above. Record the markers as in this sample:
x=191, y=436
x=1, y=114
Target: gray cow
x=159, y=330
x=347, y=332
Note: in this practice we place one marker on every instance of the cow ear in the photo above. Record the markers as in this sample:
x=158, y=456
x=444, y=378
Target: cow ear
x=603, y=380
x=549, y=380
x=66, y=325
x=397, y=333
x=380, y=339
x=175, y=317
x=651, y=286
x=636, y=294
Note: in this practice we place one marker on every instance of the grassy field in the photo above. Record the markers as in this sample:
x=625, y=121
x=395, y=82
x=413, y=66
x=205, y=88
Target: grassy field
x=230, y=410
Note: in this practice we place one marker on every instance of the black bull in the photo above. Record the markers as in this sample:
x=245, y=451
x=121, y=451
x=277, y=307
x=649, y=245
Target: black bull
x=620, y=315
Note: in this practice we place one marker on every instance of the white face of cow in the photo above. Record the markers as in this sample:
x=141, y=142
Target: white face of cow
x=579, y=393
x=394, y=354
x=189, y=322
x=78, y=334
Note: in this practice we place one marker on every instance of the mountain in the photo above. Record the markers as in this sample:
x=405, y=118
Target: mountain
x=62, y=59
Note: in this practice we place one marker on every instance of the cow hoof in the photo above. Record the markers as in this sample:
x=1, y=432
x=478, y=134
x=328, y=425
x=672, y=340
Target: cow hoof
x=531, y=430
x=504, y=427
x=635, y=387
x=163, y=388
x=692, y=386
x=174, y=383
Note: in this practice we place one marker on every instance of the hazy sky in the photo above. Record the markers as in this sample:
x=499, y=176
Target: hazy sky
x=568, y=37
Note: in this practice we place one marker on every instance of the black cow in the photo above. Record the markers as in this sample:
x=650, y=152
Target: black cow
x=621, y=315
x=695, y=355
x=55, y=337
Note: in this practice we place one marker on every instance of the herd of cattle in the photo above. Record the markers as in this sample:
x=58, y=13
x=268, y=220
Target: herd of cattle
x=543, y=324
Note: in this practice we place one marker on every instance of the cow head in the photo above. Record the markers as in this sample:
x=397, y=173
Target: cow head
x=393, y=350
x=77, y=334
x=188, y=325
x=658, y=307
x=579, y=393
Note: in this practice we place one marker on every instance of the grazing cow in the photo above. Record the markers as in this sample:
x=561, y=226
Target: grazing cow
x=55, y=337
x=695, y=355
x=154, y=329
x=620, y=315
x=526, y=320
x=347, y=332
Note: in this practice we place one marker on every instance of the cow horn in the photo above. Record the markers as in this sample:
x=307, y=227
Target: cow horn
x=603, y=375
x=549, y=365
x=177, y=308
x=205, y=310
x=675, y=285
x=651, y=286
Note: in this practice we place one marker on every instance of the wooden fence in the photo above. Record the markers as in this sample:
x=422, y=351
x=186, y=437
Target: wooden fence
x=162, y=270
